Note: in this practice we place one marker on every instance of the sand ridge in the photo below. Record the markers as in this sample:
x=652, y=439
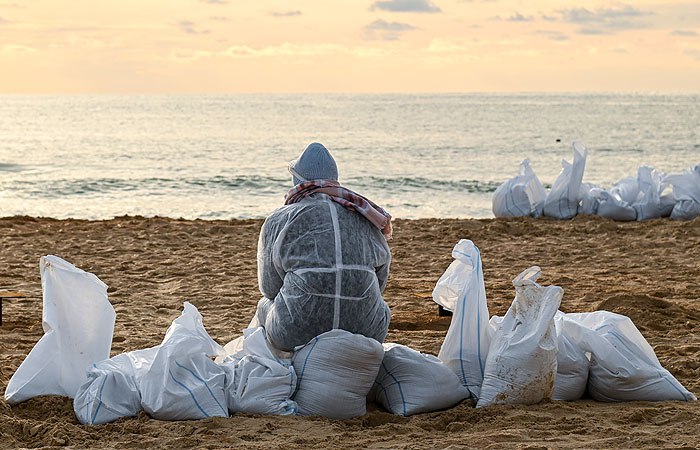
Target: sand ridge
x=649, y=271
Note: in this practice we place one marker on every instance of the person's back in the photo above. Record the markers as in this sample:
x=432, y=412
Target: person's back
x=321, y=265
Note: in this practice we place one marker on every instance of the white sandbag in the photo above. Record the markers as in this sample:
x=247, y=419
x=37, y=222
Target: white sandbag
x=623, y=366
x=650, y=202
x=410, y=382
x=522, y=362
x=589, y=199
x=685, y=210
x=522, y=195
x=562, y=201
x=111, y=391
x=612, y=206
x=335, y=372
x=686, y=192
x=183, y=382
x=572, y=366
x=627, y=189
x=258, y=381
x=461, y=289
x=78, y=323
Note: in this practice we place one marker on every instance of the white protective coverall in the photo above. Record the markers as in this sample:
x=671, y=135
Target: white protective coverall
x=321, y=267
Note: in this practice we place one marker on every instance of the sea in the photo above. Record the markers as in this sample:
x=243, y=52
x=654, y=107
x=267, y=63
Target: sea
x=226, y=156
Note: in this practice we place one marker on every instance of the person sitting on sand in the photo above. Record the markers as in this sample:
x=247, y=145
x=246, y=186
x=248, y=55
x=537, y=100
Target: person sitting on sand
x=323, y=258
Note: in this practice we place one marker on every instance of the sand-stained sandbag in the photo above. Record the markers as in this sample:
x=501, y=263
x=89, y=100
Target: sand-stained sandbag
x=572, y=366
x=335, y=372
x=461, y=289
x=183, y=382
x=522, y=361
x=410, y=382
x=521, y=196
x=78, y=323
x=258, y=380
x=562, y=201
x=623, y=367
x=111, y=391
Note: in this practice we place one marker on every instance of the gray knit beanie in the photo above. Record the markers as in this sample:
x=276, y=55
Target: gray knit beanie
x=314, y=163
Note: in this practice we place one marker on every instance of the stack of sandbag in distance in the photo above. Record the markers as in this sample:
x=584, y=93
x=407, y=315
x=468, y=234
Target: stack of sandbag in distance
x=686, y=191
x=640, y=197
x=520, y=196
x=563, y=199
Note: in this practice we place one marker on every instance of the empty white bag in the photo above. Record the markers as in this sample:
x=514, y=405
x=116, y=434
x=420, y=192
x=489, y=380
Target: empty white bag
x=78, y=323
x=258, y=381
x=522, y=362
x=562, y=201
x=410, y=382
x=623, y=366
x=183, y=382
x=522, y=195
x=335, y=372
x=461, y=289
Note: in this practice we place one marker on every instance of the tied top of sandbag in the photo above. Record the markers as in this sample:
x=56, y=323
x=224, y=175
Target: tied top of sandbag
x=464, y=251
x=528, y=277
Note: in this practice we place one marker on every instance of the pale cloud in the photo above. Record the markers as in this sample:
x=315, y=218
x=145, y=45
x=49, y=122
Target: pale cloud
x=603, y=21
x=552, y=35
x=439, y=45
x=285, y=13
x=388, y=31
x=286, y=49
x=420, y=6
x=215, y=2
x=693, y=53
x=220, y=18
x=684, y=33
x=276, y=51
x=186, y=55
x=14, y=48
x=517, y=17
x=3, y=21
x=189, y=27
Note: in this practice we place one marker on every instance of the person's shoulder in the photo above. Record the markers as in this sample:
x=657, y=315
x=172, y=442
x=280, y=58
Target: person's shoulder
x=286, y=210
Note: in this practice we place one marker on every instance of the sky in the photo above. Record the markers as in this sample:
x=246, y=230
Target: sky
x=348, y=46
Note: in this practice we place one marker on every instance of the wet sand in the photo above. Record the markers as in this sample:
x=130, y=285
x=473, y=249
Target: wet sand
x=648, y=271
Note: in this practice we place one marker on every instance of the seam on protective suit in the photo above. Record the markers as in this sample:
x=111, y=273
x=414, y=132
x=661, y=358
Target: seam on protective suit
x=338, y=263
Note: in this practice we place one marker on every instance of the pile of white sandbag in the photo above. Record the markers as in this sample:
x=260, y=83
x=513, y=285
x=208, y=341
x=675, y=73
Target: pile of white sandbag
x=537, y=352
x=649, y=195
x=532, y=353
x=188, y=375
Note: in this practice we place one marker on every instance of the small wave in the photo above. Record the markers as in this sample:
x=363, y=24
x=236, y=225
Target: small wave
x=255, y=184
x=415, y=183
x=11, y=167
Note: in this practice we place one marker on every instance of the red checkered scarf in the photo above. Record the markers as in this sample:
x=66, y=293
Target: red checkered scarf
x=349, y=199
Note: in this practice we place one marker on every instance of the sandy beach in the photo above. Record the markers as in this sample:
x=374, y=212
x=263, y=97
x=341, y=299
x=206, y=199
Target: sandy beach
x=648, y=271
